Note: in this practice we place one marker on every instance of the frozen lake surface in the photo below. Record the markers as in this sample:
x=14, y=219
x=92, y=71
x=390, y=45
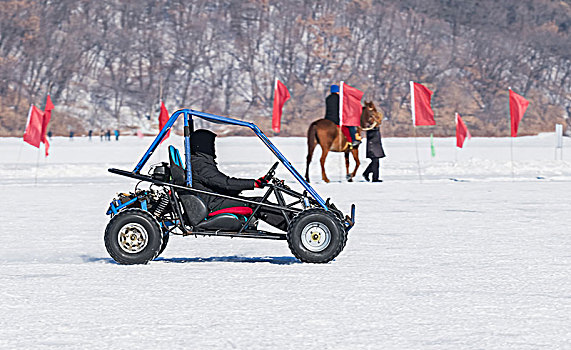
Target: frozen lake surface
x=471, y=258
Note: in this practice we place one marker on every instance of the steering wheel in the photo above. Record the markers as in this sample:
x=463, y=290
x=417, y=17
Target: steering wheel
x=272, y=171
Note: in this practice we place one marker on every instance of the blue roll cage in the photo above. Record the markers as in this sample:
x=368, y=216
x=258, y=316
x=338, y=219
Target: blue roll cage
x=188, y=114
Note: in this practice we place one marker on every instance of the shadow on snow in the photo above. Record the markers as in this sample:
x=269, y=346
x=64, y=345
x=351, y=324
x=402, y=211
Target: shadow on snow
x=278, y=260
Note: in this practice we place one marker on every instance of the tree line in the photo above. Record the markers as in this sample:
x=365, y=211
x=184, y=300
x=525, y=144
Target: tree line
x=107, y=63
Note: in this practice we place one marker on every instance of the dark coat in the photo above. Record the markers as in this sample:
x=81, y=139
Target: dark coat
x=332, y=108
x=374, y=144
x=207, y=177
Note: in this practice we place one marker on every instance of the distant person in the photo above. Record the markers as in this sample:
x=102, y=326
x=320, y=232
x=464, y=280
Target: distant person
x=101, y=135
x=71, y=133
x=108, y=135
x=116, y=132
x=375, y=152
x=50, y=135
x=89, y=134
x=332, y=114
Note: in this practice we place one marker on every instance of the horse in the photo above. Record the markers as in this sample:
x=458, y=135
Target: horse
x=329, y=136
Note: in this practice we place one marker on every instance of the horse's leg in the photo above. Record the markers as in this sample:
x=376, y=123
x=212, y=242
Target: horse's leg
x=324, y=152
x=346, y=154
x=355, y=153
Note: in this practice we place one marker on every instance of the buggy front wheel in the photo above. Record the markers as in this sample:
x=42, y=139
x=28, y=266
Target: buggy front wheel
x=133, y=237
x=166, y=236
x=316, y=236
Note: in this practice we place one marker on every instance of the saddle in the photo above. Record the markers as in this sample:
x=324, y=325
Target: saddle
x=345, y=131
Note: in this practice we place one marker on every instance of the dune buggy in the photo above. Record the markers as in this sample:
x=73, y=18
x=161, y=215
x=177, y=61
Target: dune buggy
x=143, y=220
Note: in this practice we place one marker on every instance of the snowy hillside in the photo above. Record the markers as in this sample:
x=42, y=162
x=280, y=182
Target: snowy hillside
x=471, y=258
x=108, y=63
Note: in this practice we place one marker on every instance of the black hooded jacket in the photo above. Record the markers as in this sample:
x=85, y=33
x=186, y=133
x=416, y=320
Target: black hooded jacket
x=205, y=173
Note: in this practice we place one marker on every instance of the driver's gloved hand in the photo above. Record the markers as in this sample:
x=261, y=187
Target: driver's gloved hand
x=261, y=182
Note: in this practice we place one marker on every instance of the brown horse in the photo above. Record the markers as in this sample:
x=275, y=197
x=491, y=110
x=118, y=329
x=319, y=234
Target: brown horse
x=330, y=138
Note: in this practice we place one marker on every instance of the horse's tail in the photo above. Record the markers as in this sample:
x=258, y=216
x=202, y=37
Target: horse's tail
x=311, y=144
x=312, y=136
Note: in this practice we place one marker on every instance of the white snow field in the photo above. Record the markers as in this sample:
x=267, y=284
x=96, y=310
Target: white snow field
x=471, y=258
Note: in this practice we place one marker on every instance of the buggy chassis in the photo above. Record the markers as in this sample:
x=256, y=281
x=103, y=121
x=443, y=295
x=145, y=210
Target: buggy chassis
x=162, y=209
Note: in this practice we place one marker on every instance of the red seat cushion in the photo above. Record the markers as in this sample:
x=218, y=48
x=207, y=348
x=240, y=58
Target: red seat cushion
x=247, y=211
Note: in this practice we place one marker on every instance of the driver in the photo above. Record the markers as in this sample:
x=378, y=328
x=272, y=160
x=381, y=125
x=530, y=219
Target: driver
x=207, y=177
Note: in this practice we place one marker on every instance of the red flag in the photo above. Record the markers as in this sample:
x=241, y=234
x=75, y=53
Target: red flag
x=163, y=119
x=33, y=134
x=461, y=131
x=422, y=113
x=351, y=105
x=518, y=105
x=45, y=120
x=281, y=95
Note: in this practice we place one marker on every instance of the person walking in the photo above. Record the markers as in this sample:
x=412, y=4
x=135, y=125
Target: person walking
x=375, y=152
x=116, y=132
x=89, y=134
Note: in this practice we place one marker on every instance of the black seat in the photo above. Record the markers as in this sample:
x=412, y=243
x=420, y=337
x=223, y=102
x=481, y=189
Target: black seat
x=177, y=168
x=194, y=208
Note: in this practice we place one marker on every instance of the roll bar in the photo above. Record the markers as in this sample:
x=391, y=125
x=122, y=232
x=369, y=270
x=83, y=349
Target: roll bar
x=188, y=128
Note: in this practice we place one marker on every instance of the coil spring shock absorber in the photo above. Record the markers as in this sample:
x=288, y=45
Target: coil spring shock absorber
x=162, y=204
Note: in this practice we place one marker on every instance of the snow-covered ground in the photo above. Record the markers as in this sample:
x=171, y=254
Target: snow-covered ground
x=471, y=258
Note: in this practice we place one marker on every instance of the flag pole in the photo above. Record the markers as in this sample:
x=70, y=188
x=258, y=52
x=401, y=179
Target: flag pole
x=270, y=155
x=512, y=156
x=37, y=166
x=412, y=108
x=160, y=99
x=456, y=147
x=511, y=138
x=417, y=158
x=340, y=127
x=556, y=142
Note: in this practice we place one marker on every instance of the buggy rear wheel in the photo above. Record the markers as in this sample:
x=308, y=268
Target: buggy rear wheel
x=316, y=236
x=133, y=237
